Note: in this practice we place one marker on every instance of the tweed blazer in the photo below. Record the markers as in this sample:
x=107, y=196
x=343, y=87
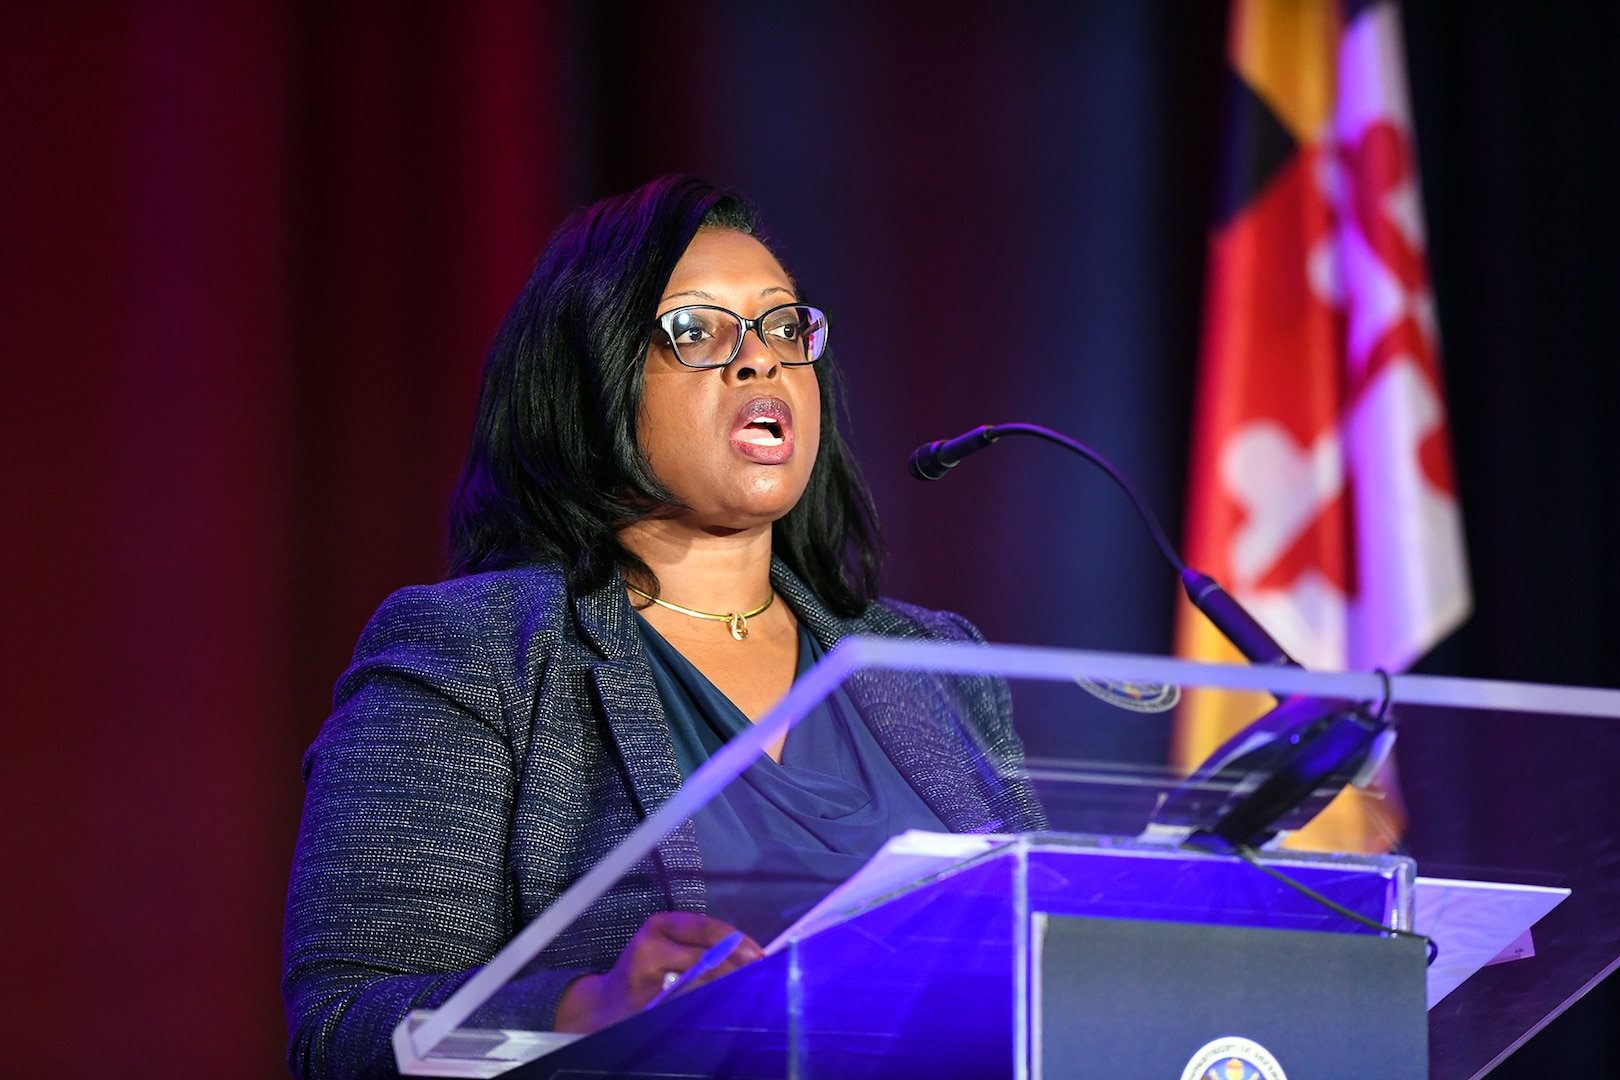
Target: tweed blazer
x=496, y=736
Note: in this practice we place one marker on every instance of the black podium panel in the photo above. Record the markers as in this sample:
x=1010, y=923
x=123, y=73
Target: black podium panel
x=1132, y=1000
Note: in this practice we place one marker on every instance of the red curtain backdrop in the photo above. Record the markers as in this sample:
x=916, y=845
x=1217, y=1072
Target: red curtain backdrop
x=252, y=255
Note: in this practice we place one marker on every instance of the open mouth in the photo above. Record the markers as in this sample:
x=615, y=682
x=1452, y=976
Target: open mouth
x=763, y=430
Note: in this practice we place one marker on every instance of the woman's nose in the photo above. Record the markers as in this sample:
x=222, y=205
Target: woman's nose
x=754, y=359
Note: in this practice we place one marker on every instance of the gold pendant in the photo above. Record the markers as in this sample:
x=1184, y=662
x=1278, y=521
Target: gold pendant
x=739, y=626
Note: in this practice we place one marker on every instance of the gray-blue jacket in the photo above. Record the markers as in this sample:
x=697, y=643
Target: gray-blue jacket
x=495, y=737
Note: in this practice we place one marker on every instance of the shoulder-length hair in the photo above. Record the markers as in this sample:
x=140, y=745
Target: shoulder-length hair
x=555, y=469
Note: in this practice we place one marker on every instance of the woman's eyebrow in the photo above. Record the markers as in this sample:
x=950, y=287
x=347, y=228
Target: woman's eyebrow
x=701, y=295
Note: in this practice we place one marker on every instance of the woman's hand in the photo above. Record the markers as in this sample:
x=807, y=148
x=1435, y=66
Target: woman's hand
x=670, y=941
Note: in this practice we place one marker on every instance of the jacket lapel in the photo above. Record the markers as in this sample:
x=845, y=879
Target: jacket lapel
x=635, y=721
x=629, y=698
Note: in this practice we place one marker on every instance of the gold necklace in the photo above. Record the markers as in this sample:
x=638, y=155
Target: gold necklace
x=737, y=619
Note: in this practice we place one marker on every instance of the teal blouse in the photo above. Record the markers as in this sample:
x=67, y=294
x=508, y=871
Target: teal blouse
x=782, y=836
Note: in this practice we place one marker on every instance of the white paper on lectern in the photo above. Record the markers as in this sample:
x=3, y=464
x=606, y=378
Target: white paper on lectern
x=1475, y=923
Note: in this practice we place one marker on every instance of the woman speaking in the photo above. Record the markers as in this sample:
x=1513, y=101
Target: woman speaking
x=657, y=530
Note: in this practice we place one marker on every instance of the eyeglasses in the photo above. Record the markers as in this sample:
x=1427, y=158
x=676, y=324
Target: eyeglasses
x=705, y=336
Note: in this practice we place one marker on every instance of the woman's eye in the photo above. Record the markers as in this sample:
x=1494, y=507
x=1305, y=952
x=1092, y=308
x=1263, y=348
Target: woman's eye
x=691, y=335
x=788, y=329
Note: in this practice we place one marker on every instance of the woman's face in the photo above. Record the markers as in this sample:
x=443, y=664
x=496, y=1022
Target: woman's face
x=735, y=444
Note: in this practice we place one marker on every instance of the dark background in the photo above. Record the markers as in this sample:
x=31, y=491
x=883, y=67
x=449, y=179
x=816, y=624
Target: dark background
x=252, y=254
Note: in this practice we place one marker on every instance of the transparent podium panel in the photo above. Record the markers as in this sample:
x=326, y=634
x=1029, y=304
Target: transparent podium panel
x=911, y=832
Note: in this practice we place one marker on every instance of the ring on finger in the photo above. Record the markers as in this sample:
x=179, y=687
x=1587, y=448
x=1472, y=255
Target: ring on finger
x=669, y=978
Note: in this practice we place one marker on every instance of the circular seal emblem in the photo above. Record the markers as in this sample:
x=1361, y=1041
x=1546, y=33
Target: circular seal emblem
x=1135, y=696
x=1232, y=1057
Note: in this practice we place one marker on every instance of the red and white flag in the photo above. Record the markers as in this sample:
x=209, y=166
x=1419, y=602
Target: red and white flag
x=1321, y=487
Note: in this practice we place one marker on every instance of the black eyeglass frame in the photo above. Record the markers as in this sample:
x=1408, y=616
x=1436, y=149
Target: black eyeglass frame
x=747, y=325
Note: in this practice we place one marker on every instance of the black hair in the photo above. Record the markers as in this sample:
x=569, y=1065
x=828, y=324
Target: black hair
x=554, y=469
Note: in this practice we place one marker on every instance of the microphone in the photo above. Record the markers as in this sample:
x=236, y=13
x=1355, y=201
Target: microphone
x=932, y=461
x=1283, y=768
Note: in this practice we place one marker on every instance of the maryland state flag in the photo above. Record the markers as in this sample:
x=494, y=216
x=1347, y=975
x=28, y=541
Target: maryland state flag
x=1321, y=484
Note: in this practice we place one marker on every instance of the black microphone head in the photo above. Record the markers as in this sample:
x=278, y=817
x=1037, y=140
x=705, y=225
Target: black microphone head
x=925, y=463
x=932, y=461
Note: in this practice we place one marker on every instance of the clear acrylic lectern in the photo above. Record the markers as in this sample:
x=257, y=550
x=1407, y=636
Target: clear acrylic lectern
x=1112, y=946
